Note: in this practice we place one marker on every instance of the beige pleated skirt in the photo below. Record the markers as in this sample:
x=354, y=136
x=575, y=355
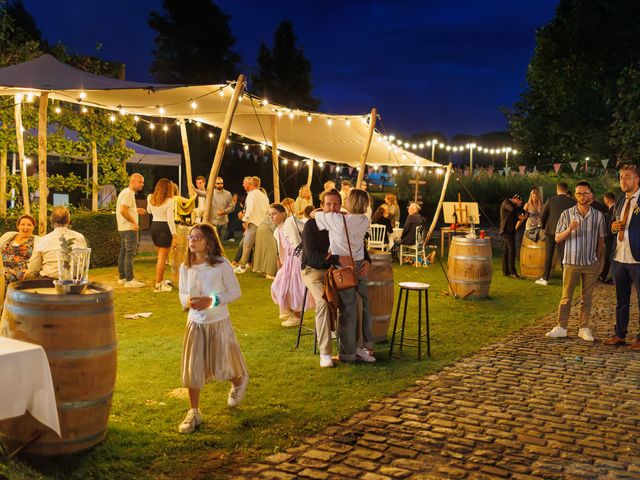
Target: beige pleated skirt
x=211, y=351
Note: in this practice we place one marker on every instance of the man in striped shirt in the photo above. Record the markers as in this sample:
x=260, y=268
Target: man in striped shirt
x=582, y=229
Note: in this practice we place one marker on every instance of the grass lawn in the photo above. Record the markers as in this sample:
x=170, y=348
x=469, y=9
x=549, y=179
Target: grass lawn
x=288, y=397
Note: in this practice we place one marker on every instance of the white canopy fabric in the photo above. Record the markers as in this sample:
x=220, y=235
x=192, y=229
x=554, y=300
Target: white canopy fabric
x=321, y=137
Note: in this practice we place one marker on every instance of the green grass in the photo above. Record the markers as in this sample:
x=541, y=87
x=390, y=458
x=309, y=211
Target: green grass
x=289, y=396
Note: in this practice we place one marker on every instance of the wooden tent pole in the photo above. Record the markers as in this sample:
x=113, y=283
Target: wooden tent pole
x=275, y=159
x=367, y=145
x=3, y=178
x=94, y=177
x=415, y=193
x=187, y=157
x=310, y=175
x=42, y=164
x=23, y=168
x=222, y=143
x=439, y=207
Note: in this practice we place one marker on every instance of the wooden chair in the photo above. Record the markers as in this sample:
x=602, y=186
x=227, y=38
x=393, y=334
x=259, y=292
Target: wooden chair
x=378, y=237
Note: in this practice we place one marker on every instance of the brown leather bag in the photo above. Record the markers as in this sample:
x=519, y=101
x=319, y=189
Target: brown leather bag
x=345, y=277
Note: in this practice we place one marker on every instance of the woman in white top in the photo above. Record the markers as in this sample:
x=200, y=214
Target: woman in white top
x=160, y=204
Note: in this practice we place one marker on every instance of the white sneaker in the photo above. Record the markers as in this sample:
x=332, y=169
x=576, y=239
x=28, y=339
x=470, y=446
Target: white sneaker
x=231, y=240
x=585, y=334
x=363, y=355
x=236, y=394
x=240, y=269
x=542, y=281
x=134, y=284
x=557, y=332
x=326, y=361
x=122, y=281
x=291, y=322
x=191, y=421
x=162, y=287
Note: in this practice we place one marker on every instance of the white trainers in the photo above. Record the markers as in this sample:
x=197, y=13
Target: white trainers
x=290, y=322
x=557, y=332
x=585, y=334
x=191, y=421
x=363, y=355
x=163, y=286
x=122, y=281
x=133, y=284
x=240, y=269
x=236, y=394
x=326, y=361
x=542, y=281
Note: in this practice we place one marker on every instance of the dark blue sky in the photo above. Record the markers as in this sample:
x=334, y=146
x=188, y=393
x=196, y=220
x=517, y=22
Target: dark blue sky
x=432, y=65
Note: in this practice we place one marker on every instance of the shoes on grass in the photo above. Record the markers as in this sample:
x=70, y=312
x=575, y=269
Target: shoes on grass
x=236, y=394
x=585, y=334
x=290, y=322
x=133, y=283
x=542, y=281
x=122, y=281
x=364, y=355
x=240, y=269
x=191, y=421
x=615, y=341
x=163, y=286
x=557, y=332
x=326, y=361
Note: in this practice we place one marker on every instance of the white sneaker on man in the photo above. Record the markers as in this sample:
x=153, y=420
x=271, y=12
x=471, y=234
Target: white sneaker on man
x=557, y=332
x=191, y=421
x=122, y=281
x=585, y=334
x=240, y=269
x=326, y=361
x=133, y=283
x=541, y=281
x=236, y=394
x=363, y=355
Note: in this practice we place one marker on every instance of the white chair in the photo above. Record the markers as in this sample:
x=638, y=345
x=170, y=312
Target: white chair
x=378, y=237
x=416, y=251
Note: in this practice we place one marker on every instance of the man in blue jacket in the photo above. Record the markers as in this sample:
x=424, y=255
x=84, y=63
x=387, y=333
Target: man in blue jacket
x=626, y=254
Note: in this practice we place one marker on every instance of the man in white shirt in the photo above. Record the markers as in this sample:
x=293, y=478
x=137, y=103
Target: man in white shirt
x=201, y=186
x=44, y=260
x=256, y=209
x=127, y=215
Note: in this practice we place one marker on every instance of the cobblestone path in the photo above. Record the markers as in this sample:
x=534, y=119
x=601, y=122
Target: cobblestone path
x=527, y=407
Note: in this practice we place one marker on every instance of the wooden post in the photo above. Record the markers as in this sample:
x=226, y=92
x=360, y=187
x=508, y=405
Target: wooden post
x=42, y=164
x=187, y=156
x=415, y=194
x=3, y=178
x=94, y=178
x=275, y=159
x=310, y=175
x=123, y=141
x=23, y=170
x=222, y=143
x=439, y=207
x=367, y=144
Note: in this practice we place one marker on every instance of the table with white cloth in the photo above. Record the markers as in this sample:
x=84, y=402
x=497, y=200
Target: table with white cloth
x=397, y=233
x=26, y=383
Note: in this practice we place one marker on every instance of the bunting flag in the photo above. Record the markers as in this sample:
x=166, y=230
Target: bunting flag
x=332, y=168
x=574, y=165
x=350, y=170
x=556, y=167
x=605, y=162
x=506, y=170
x=535, y=169
x=522, y=169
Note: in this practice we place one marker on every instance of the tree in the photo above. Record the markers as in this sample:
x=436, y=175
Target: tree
x=284, y=73
x=567, y=109
x=194, y=43
x=626, y=118
x=14, y=46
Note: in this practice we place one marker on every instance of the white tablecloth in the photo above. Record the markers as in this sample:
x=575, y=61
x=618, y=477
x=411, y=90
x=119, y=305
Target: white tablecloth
x=397, y=233
x=26, y=384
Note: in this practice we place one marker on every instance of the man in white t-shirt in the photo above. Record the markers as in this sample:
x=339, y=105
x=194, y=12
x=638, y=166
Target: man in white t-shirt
x=256, y=208
x=127, y=215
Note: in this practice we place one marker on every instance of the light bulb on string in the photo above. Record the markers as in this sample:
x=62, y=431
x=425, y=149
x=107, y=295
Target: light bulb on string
x=83, y=95
x=394, y=171
x=221, y=93
x=210, y=135
x=194, y=105
x=265, y=102
x=246, y=147
x=58, y=110
x=329, y=121
x=263, y=147
x=309, y=118
x=279, y=114
x=296, y=163
x=161, y=110
x=284, y=161
x=348, y=122
x=152, y=126
x=291, y=115
x=85, y=109
x=136, y=118
x=198, y=124
x=112, y=118
x=165, y=128
x=227, y=141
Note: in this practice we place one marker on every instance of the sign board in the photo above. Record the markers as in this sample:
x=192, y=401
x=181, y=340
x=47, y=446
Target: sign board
x=467, y=214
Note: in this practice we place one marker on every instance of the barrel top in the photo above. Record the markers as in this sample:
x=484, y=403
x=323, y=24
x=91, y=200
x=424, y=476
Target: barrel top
x=471, y=241
x=414, y=285
x=31, y=289
x=380, y=255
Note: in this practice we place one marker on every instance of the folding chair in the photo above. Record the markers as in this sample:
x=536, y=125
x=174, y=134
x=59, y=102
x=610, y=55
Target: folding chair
x=378, y=237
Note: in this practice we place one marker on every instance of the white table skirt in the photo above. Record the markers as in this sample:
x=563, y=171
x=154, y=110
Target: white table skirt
x=26, y=383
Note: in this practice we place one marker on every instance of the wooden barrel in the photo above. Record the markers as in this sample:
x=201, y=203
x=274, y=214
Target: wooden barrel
x=180, y=253
x=470, y=267
x=532, y=258
x=380, y=293
x=79, y=336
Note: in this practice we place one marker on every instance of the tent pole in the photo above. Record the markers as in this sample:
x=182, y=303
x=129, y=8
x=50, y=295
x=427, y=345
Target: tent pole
x=94, y=180
x=367, y=144
x=23, y=168
x=435, y=216
x=310, y=176
x=42, y=163
x=275, y=159
x=3, y=178
x=415, y=194
x=222, y=142
x=187, y=159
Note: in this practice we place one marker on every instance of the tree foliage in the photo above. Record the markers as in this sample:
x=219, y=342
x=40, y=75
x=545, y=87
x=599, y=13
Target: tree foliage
x=567, y=110
x=284, y=73
x=194, y=43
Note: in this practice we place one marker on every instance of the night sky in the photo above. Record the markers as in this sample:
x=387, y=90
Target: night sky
x=446, y=66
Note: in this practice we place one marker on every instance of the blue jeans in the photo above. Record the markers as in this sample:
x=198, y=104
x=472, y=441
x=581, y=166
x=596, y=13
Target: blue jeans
x=222, y=230
x=128, y=246
x=625, y=275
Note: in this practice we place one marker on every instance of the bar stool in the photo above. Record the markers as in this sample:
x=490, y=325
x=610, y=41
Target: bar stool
x=406, y=287
x=308, y=331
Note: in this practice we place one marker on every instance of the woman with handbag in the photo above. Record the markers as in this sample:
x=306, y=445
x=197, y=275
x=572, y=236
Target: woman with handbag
x=346, y=239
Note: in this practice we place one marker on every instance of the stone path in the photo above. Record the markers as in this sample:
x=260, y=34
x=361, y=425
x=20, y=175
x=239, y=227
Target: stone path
x=524, y=408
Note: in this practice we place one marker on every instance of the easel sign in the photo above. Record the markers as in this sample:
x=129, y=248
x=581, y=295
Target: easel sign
x=465, y=212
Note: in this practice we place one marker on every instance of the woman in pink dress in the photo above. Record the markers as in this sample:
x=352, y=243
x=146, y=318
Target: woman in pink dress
x=287, y=290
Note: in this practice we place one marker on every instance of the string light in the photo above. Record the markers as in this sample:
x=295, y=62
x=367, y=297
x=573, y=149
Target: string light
x=279, y=114
x=296, y=163
x=284, y=161
x=210, y=135
x=136, y=118
x=265, y=102
x=291, y=115
x=112, y=118
x=29, y=97
x=85, y=109
x=194, y=105
x=221, y=93
x=329, y=122
x=309, y=118
x=165, y=128
x=246, y=147
x=83, y=95
x=198, y=124
x=161, y=110
x=152, y=126
x=58, y=110
x=348, y=122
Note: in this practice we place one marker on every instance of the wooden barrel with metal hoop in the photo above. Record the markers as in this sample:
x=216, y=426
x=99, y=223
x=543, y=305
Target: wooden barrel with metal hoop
x=532, y=258
x=380, y=293
x=180, y=253
x=79, y=336
x=470, y=267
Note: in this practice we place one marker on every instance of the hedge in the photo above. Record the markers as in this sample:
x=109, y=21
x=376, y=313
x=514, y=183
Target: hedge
x=99, y=229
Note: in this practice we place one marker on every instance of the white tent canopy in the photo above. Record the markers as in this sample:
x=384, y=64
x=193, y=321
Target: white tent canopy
x=322, y=137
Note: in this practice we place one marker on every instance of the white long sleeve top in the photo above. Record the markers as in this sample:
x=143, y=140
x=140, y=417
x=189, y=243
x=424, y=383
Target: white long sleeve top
x=256, y=207
x=206, y=281
x=163, y=213
x=358, y=226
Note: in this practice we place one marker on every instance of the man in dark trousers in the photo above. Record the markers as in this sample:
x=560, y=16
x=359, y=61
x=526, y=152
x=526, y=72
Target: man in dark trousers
x=625, y=267
x=609, y=239
x=510, y=212
x=551, y=212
